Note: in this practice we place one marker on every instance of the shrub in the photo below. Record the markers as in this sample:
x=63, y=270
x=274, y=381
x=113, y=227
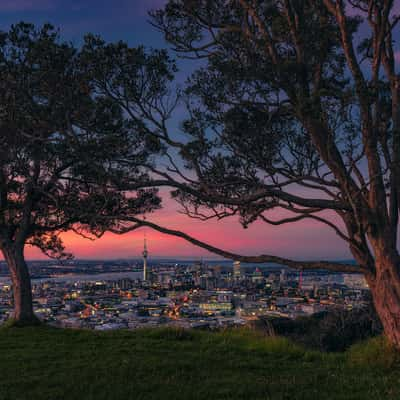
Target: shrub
x=330, y=331
x=375, y=352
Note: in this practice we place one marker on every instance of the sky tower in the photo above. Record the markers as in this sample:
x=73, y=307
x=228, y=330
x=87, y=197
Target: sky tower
x=145, y=253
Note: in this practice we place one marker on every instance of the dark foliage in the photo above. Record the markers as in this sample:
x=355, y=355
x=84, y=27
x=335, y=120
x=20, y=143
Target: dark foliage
x=329, y=331
x=67, y=149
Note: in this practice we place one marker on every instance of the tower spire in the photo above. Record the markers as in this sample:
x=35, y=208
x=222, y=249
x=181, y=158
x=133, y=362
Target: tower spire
x=145, y=254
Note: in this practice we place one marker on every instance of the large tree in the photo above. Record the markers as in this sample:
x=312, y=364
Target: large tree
x=296, y=107
x=63, y=146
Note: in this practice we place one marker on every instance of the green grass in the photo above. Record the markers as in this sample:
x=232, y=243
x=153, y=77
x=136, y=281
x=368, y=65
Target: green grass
x=44, y=363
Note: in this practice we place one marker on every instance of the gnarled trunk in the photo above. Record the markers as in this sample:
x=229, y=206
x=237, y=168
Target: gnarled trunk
x=21, y=284
x=385, y=288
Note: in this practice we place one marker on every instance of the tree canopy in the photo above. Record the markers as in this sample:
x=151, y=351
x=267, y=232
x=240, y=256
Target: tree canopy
x=296, y=107
x=65, y=144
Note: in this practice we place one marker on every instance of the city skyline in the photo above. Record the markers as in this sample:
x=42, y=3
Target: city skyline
x=199, y=199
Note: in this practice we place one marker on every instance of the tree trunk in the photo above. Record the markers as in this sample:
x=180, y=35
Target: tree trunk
x=385, y=288
x=21, y=283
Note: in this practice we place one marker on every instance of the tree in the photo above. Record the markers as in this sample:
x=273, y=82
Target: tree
x=295, y=108
x=63, y=147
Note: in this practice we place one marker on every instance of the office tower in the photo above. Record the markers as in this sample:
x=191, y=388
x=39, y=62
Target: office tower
x=236, y=270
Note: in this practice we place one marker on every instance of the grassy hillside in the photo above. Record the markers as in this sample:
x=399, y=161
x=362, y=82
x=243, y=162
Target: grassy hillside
x=44, y=363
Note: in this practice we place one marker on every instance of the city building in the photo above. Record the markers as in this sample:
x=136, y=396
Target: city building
x=237, y=270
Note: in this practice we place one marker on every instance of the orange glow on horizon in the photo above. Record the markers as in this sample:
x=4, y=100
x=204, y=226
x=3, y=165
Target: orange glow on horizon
x=305, y=239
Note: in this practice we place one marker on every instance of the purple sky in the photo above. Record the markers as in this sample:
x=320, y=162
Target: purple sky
x=114, y=20
x=128, y=20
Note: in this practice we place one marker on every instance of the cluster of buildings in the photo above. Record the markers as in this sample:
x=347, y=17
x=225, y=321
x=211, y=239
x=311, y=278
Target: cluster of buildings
x=189, y=295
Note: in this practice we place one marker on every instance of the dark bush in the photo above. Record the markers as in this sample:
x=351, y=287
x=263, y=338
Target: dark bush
x=335, y=330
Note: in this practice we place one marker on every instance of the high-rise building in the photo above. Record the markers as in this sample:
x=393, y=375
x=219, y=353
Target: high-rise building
x=257, y=276
x=145, y=254
x=283, y=276
x=236, y=270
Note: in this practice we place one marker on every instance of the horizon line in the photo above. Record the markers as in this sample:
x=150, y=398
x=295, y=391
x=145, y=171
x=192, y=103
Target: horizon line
x=174, y=258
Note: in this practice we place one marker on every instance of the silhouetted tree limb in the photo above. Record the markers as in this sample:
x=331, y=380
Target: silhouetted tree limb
x=263, y=258
x=290, y=96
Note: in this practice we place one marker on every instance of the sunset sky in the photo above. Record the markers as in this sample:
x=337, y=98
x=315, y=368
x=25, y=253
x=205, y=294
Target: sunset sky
x=128, y=20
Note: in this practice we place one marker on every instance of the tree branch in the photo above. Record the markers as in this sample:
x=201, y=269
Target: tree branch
x=263, y=258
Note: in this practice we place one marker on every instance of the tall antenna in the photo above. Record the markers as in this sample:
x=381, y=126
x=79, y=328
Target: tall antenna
x=145, y=254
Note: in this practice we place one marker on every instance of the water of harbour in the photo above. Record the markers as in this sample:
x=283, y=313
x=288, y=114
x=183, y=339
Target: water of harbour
x=111, y=276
